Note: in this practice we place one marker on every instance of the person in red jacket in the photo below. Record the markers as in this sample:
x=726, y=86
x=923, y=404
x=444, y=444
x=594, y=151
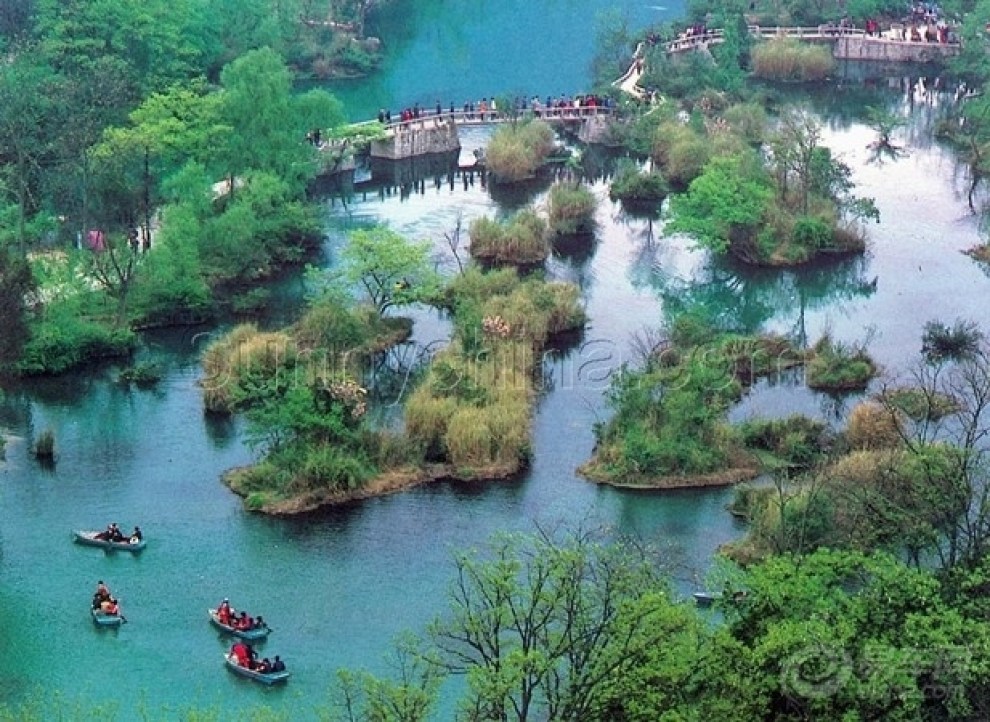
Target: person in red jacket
x=223, y=612
x=240, y=651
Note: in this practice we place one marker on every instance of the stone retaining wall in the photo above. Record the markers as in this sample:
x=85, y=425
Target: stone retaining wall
x=852, y=47
x=425, y=137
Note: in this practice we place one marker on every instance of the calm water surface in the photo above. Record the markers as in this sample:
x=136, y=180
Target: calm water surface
x=339, y=585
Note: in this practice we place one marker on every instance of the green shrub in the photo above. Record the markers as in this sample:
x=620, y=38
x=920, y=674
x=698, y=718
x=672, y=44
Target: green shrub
x=835, y=366
x=795, y=441
x=571, y=208
x=146, y=373
x=812, y=233
x=680, y=151
x=633, y=185
x=939, y=342
x=62, y=342
x=787, y=59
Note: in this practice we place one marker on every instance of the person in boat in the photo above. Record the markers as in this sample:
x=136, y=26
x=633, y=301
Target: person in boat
x=116, y=535
x=252, y=656
x=136, y=535
x=244, y=622
x=264, y=666
x=240, y=652
x=260, y=623
x=278, y=665
x=109, y=607
x=106, y=534
x=102, y=591
x=224, y=612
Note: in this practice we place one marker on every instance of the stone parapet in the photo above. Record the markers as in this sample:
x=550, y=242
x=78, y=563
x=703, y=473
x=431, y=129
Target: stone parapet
x=853, y=47
x=423, y=137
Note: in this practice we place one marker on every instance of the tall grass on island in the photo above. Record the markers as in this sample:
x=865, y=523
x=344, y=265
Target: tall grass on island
x=472, y=410
x=520, y=241
x=790, y=60
x=571, y=207
x=304, y=406
x=516, y=151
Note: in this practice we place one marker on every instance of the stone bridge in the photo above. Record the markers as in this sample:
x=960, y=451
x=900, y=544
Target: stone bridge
x=437, y=133
x=848, y=43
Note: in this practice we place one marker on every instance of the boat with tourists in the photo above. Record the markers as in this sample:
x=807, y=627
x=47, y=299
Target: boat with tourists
x=111, y=539
x=269, y=678
x=257, y=629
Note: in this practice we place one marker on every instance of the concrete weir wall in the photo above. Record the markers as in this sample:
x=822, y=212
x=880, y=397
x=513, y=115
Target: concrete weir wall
x=424, y=137
x=851, y=47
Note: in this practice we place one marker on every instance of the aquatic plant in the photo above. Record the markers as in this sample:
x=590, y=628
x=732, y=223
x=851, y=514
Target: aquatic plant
x=838, y=366
x=787, y=59
x=517, y=150
x=571, y=207
x=519, y=241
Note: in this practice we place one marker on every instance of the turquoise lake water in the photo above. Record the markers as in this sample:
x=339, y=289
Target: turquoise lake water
x=337, y=586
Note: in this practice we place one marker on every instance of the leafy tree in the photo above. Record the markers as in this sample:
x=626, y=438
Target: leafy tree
x=114, y=267
x=793, y=146
x=27, y=93
x=725, y=204
x=16, y=282
x=538, y=623
x=156, y=39
x=390, y=270
x=964, y=534
x=267, y=133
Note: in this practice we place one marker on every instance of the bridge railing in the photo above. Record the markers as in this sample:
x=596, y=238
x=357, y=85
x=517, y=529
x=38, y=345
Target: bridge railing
x=477, y=117
x=690, y=42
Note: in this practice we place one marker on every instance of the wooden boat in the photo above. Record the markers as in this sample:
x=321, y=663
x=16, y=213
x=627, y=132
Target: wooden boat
x=89, y=538
x=264, y=678
x=102, y=619
x=248, y=634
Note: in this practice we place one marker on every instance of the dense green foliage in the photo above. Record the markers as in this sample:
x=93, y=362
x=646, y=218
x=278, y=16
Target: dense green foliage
x=117, y=122
x=837, y=366
x=571, y=626
x=635, y=187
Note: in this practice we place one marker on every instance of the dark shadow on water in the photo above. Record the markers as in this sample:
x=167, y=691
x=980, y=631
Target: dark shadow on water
x=221, y=429
x=516, y=196
x=576, y=248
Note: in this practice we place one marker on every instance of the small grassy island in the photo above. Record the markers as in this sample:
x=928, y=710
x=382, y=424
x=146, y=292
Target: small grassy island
x=669, y=429
x=300, y=390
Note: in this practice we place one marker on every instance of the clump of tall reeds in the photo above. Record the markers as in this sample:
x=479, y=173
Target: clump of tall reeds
x=571, y=208
x=517, y=150
x=873, y=426
x=472, y=410
x=519, y=241
x=787, y=59
x=243, y=350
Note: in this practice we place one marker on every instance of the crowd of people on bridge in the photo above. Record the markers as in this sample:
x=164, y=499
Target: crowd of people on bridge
x=488, y=109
